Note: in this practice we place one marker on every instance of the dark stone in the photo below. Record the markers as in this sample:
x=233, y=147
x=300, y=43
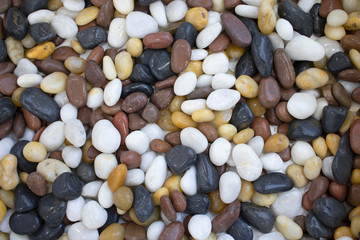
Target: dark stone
x=16, y=23
x=137, y=87
x=338, y=62
x=3, y=51
x=145, y=57
x=241, y=230
x=180, y=158
x=143, y=204
x=197, y=204
x=262, y=53
x=307, y=28
x=186, y=31
x=146, y=2
x=113, y=217
x=24, y=199
x=329, y=211
x=250, y=24
x=40, y=104
x=141, y=73
x=52, y=210
x=343, y=159
x=333, y=118
x=94, y=74
x=7, y=109
x=246, y=65
x=160, y=65
x=86, y=172
x=92, y=37
x=206, y=174
x=304, y=130
x=318, y=21
x=48, y=233
x=67, y=186
x=236, y=30
x=261, y=218
x=29, y=6
x=315, y=228
x=301, y=66
x=25, y=223
x=242, y=116
x=22, y=163
x=42, y=32
x=273, y=183
x=293, y=13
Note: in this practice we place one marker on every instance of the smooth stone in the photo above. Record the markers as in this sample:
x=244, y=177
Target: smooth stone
x=293, y=13
x=117, y=35
x=47, y=232
x=288, y=203
x=246, y=65
x=301, y=66
x=261, y=218
x=29, y=6
x=301, y=105
x=315, y=228
x=73, y=209
x=307, y=28
x=197, y=204
x=67, y=186
x=145, y=57
x=143, y=204
x=338, y=62
x=208, y=35
x=261, y=51
x=94, y=74
x=304, y=130
x=269, y=92
x=206, y=174
x=284, y=68
x=318, y=21
x=91, y=37
x=93, y=216
x=24, y=200
x=229, y=187
x=240, y=230
x=16, y=23
x=185, y=84
x=236, y=30
x=247, y=162
x=25, y=223
x=7, y=110
x=139, y=24
x=188, y=182
x=3, y=51
x=42, y=32
x=354, y=136
x=22, y=163
x=342, y=162
x=302, y=48
x=180, y=158
x=113, y=217
x=105, y=137
x=250, y=24
x=160, y=65
x=137, y=87
x=242, y=116
x=222, y=99
x=273, y=183
x=79, y=231
x=52, y=210
x=40, y=104
x=329, y=211
x=156, y=174
x=333, y=118
x=142, y=73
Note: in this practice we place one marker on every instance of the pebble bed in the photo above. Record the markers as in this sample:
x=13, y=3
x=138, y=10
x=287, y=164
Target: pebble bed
x=174, y=119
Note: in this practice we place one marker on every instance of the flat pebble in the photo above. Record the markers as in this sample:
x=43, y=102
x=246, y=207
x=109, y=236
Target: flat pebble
x=222, y=99
x=302, y=48
x=247, y=162
x=193, y=138
x=199, y=226
x=105, y=137
x=229, y=187
x=139, y=24
x=301, y=105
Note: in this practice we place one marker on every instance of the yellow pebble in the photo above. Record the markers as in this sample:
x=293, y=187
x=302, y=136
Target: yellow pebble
x=247, y=86
x=234, y=51
x=165, y=122
x=296, y=173
x=8, y=197
x=203, y=115
x=221, y=117
x=343, y=231
x=276, y=143
x=75, y=44
x=117, y=177
x=23, y=177
x=9, y=177
x=350, y=118
x=75, y=65
x=354, y=212
x=256, y=107
x=54, y=83
x=353, y=22
x=173, y=183
x=246, y=192
x=175, y=104
x=197, y=16
x=158, y=194
x=320, y=147
x=155, y=216
x=181, y=120
x=355, y=176
x=115, y=231
x=195, y=67
x=311, y=78
x=312, y=168
x=15, y=97
x=123, y=65
x=332, y=141
x=134, y=46
x=4, y=236
x=244, y=136
x=41, y=51
x=267, y=16
x=355, y=57
x=355, y=225
x=334, y=33
x=227, y=131
x=2, y=210
x=87, y=15
x=263, y=199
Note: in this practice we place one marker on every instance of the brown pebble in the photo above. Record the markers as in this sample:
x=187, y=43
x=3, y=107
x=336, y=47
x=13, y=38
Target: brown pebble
x=6, y=67
x=230, y=4
x=355, y=95
x=236, y=30
x=269, y=92
x=150, y=113
x=158, y=40
x=62, y=53
x=178, y=200
x=284, y=68
x=56, y=155
x=97, y=3
x=350, y=75
x=4, y=5
x=96, y=55
x=158, y=145
x=84, y=115
x=92, y=152
x=8, y=83
x=131, y=159
x=270, y=115
x=328, y=95
x=349, y=42
x=306, y=202
x=169, y=82
x=207, y=4
x=38, y=133
x=121, y=123
x=134, y=102
x=287, y=93
x=285, y=154
x=173, y=231
x=329, y=5
x=221, y=169
x=58, y=40
x=48, y=66
x=94, y=74
x=356, y=162
x=76, y=90
x=36, y=183
x=261, y=128
x=219, y=44
x=86, y=26
x=180, y=55
x=19, y=125
x=134, y=232
x=136, y=122
x=111, y=110
x=186, y=224
x=111, y=52
x=173, y=138
x=300, y=220
x=167, y=208
x=355, y=136
x=96, y=116
x=209, y=131
x=6, y=127
x=32, y=121
x=284, y=129
x=341, y=95
x=162, y=98
x=338, y=191
x=202, y=92
x=226, y=217
x=106, y=14
x=318, y=187
x=353, y=196
x=282, y=112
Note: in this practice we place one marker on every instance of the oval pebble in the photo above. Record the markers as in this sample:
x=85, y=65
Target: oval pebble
x=156, y=174
x=64, y=26
x=53, y=136
x=301, y=151
x=105, y=137
x=80, y=231
x=222, y=99
x=112, y=92
x=73, y=209
x=271, y=162
x=139, y=24
x=229, y=187
x=72, y=156
x=75, y=132
x=199, y=226
x=117, y=36
x=302, y=105
x=176, y=10
x=247, y=162
x=104, y=163
x=137, y=141
x=185, y=84
x=193, y=138
x=284, y=29
x=208, y=35
x=105, y=196
x=215, y=63
x=220, y=151
x=188, y=182
x=302, y=48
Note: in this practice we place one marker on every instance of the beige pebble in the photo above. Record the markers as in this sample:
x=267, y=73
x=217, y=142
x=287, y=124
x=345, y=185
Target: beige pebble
x=267, y=16
x=134, y=46
x=34, y=152
x=15, y=50
x=288, y=228
x=87, y=15
x=336, y=18
x=263, y=199
x=246, y=192
x=9, y=178
x=50, y=169
x=334, y=33
x=296, y=173
x=54, y=83
x=312, y=78
x=355, y=57
x=123, y=65
x=312, y=168
x=109, y=68
x=7, y=197
x=247, y=86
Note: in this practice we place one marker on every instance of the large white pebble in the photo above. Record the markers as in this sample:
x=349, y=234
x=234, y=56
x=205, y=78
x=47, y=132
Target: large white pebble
x=223, y=80
x=185, y=84
x=306, y=5
x=93, y=215
x=190, y=106
x=302, y=105
x=73, y=209
x=156, y=174
x=79, y=231
x=68, y=112
x=153, y=131
x=199, y=226
x=247, y=162
x=193, y=138
x=176, y=10
x=53, y=136
x=276, y=41
x=157, y=10
x=222, y=99
x=64, y=26
x=29, y=80
x=188, y=182
x=302, y=48
x=284, y=29
x=288, y=203
x=139, y=24
x=137, y=141
x=331, y=46
x=105, y=137
x=95, y=97
x=105, y=198
x=229, y=187
x=117, y=36
x=91, y=189
x=326, y=167
x=257, y=144
x=198, y=54
x=146, y=160
x=75, y=132
x=154, y=230
x=25, y=66
x=216, y=63
x=220, y=151
x=208, y=35
x=104, y=163
x=247, y=11
x=112, y=92
x=74, y=5
x=337, y=18
x=124, y=6
x=39, y=16
x=271, y=162
x=301, y=151
x=50, y=169
x=134, y=177
x=72, y=156
x=214, y=17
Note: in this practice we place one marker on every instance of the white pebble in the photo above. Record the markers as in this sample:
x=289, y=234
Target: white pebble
x=247, y=162
x=64, y=26
x=67, y=12
x=25, y=66
x=199, y=226
x=302, y=48
x=306, y=5
x=73, y=209
x=276, y=41
x=139, y=24
x=288, y=203
x=95, y=97
x=229, y=187
x=220, y=151
x=72, y=156
x=185, y=84
x=222, y=99
x=188, y=182
x=61, y=98
x=153, y=131
x=134, y=177
x=331, y=46
x=208, y=35
x=301, y=105
x=117, y=36
x=5, y=146
x=68, y=112
x=337, y=18
x=284, y=29
x=224, y=236
x=112, y=92
x=193, y=138
x=321, y=103
x=204, y=81
x=176, y=10
x=104, y=163
x=253, y=2
x=257, y=144
x=91, y=189
x=215, y=63
x=105, y=198
x=327, y=167
x=137, y=141
x=301, y=151
x=146, y=160
x=271, y=162
x=93, y=216
x=157, y=10
x=79, y=231
x=74, y=5
x=105, y=137
x=50, y=169
x=124, y=6
x=75, y=132
x=214, y=17
x=4, y=225
x=29, y=80
x=190, y=106
x=154, y=230
x=198, y=54
x=247, y=11
x=53, y=136
x=223, y=81
x=39, y=16
x=156, y=174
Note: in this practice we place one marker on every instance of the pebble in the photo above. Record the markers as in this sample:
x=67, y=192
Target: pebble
x=47, y=232
x=338, y=62
x=137, y=141
x=7, y=110
x=64, y=26
x=271, y=162
x=288, y=203
x=75, y=132
x=143, y=204
x=180, y=55
x=199, y=226
x=222, y=99
x=261, y=218
x=284, y=29
x=117, y=35
x=354, y=139
x=160, y=65
x=269, y=92
x=157, y=10
x=302, y=105
x=29, y=80
x=288, y=228
x=342, y=163
x=193, y=138
x=237, y=31
x=52, y=210
x=24, y=199
x=103, y=165
x=91, y=37
x=174, y=230
x=207, y=177
x=139, y=24
x=25, y=223
x=78, y=231
x=42, y=32
x=73, y=209
x=16, y=150
x=93, y=216
x=301, y=151
x=3, y=51
x=247, y=11
x=261, y=51
x=304, y=130
x=229, y=187
x=329, y=211
x=246, y=65
x=302, y=48
x=156, y=174
x=273, y=183
x=188, y=32
x=240, y=230
x=315, y=228
x=188, y=182
x=105, y=137
x=185, y=84
x=247, y=162
x=215, y=63
x=36, y=183
x=16, y=23
x=67, y=186
x=42, y=15
x=220, y=151
x=112, y=92
x=208, y=35
x=333, y=118
x=50, y=169
x=197, y=204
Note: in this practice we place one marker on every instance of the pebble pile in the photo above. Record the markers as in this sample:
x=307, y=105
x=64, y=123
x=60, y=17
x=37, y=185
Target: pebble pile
x=179, y=119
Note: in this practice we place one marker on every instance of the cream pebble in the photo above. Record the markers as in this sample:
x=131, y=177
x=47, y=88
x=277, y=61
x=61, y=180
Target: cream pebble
x=302, y=105
x=61, y=98
x=75, y=132
x=95, y=97
x=247, y=162
x=247, y=11
x=199, y=226
x=188, y=182
x=134, y=177
x=54, y=83
x=105, y=196
x=208, y=35
x=25, y=66
x=271, y=162
x=74, y=5
x=284, y=29
x=301, y=151
x=337, y=18
x=93, y=216
x=157, y=10
x=312, y=168
x=91, y=189
x=288, y=228
x=105, y=137
x=321, y=103
x=117, y=36
x=176, y=10
x=109, y=68
x=223, y=81
x=204, y=81
x=112, y=92
x=302, y=48
x=156, y=174
x=103, y=165
x=288, y=203
x=220, y=151
x=215, y=63
x=190, y=106
x=185, y=84
x=72, y=156
x=139, y=24
x=50, y=169
x=222, y=99
x=193, y=138
x=153, y=131
x=29, y=80
x=257, y=144
x=15, y=50
x=124, y=6
x=229, y=187
x=64, y=26
x=137, y=141
x=67, y=12
x=39, y=16
x=53, y=136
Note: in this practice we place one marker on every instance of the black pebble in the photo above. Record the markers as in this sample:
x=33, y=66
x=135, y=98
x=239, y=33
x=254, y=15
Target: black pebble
x=304, y=130
x=262, y=53
x=315, y=228
x=338, y=62
x=16, y=24
x=301, y=66
x=343, y=160
x=92, y=37
x=329, y=211
x=42, y=32
x=86, y=172
x=113, y=217
x=246, y=65
x=261, y=218
x=7, y=109
x=333, y=118
x=293, y=13
x=141, y=73
x=29, y=6
x=318, y=21
x=143, y=204
x=307, y=28
x=23, y=164
x=24, y=199
x=197, y=204
x=186, y=31
x=273, y=183
x=180, y=158
x=52, y=210
x=160, y=65
x=48, y=233
x=3, y=51
x=25, y=223
x=251, y=25
x=137, y=87
x=67, y=186
x=206, y=174
x=241, y=230
x=242, y=116
x=145, y=57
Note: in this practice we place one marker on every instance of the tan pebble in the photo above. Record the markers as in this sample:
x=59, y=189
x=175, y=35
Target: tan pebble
x=276, y=143
x=8, y=197
x=244, y=136
x=312, y=78
x=337, y=18
x=181, y=120
x=123, y=198
x=165, y=122
x=75, y=65
x=267, y=16
x=296, y=173
x=354, y=212
x=320, y=147
x=343, y=231
x=332, y=141
x=355, y=57
x=123, y=65
x=234, y=51
x=117, y=177
x=9, y=178
x=75, y=44
x=134, y=46
x=353, y=22
x=175, y=104
x=334, y=33
x=114, y=231
x=227, y=131
x=109, y=68
x=87, y=15
x=195, y=67
x=28, y=41
x=203, y=115
x=218, y=6
x=247, y=86
x=158, y=194
x=312, y=168
x=355, y=225
x=263, y=199
x=288, y=228
x=50, y=169
x=221, y=117
x=23, y=177
x=2, y=210
x=173, y=183
x=216, y=204
x=197, y=16
x=246, y=192
x=350, y=118
x=321, y=64
x=34, y=152
x=54, y=5
x=54, y=83
x=15, y=50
